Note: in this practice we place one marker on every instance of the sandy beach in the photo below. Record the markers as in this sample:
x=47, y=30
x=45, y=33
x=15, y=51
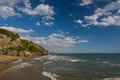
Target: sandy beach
x=5, y=60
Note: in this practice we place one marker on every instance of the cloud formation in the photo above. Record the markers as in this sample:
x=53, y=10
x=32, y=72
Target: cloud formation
x=48, y=23
x=57, y=41
x=78, y=21
x=42, y=10
x=38, y=24
x=86, y=2
x=6, y=12
x=10, y=8
x=109, y=15
x=16, y=30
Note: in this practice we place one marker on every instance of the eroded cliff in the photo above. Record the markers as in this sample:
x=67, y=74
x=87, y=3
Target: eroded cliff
x=11, y=44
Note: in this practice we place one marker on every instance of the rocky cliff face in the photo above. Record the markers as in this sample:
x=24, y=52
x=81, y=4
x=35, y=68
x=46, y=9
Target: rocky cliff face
x=11, y=44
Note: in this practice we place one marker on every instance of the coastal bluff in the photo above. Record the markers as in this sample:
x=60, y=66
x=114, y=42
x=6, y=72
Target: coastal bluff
x=12, y=45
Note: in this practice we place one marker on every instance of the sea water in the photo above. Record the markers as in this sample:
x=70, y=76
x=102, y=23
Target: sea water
x=65, y=67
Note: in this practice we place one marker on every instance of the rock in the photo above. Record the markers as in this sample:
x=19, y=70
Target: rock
x=21, y=54
x=27, y=54
x=12, y=53
x=11, y=44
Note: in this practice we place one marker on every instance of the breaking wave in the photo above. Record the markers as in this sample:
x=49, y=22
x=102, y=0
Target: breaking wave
x=45, y=63
x=52, y=76
x=60, y=58
x=18, y=61
x=17, y=67
x=110, y=63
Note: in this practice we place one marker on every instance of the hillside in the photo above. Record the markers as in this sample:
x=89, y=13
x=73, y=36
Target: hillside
x=12, y=45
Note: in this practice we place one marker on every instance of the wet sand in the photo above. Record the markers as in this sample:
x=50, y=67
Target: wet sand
x=10, y=71
x=5, y=61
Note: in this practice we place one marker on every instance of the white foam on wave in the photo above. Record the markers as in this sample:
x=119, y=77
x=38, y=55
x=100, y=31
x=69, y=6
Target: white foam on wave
x=18, y=67
x=22, y=65
x=50, y=57
x=52, y=76
x=48, y=62
x=43, y=57
x=105, y=62
x=75, y=60
x=56, y=57
x=111, y=64
x=18, y=61
x=117, y=65
x=66, y=59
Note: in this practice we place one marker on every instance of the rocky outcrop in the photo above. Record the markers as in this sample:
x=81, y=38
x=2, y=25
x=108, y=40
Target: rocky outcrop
x=11, y=44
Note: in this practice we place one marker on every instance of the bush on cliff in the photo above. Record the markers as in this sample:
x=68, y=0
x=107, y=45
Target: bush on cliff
x=23, y=47
x=9, y=34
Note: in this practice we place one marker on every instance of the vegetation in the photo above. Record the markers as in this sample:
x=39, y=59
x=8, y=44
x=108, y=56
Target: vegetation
x=9, y=34
x=18, y=47
x=30, y=46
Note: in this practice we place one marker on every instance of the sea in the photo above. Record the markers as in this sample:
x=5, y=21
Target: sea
x=85, y=66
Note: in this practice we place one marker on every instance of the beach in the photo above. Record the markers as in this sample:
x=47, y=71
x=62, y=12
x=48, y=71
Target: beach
x=5, y=61
x=11, y=66
x=61, y=67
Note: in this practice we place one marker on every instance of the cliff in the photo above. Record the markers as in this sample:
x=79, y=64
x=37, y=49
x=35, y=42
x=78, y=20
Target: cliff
x=12, y=45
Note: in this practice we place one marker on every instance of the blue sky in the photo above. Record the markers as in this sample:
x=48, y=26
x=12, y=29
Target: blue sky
x=65, y=26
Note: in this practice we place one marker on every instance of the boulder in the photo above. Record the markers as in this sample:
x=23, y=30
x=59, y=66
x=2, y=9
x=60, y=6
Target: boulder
x=27, y=54
x=21, y=54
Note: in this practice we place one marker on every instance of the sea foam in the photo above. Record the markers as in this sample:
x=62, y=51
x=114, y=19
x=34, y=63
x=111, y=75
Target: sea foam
x=52, y=76
x=17, y=67
x=18, y=61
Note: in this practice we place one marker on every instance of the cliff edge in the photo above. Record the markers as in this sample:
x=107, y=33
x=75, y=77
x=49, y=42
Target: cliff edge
x=12, y=45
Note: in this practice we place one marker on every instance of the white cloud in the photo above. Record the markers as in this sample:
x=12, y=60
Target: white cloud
x=10, y=8
x=107, y=16
x=55, y=40
x=79, y=21
x=6, y=12
x=14, y=3
x=86, y=2
x=7, y=7
x=42, y=10
x=83, y=41
x=10, y=3
x=45, y=18
x=38, y=24
x=16, y=30
x=49, y=23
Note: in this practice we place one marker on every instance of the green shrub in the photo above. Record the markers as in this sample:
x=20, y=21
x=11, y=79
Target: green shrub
x=9, y=34
x=30, y=46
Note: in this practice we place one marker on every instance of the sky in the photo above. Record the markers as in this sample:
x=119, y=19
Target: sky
x=65, y=26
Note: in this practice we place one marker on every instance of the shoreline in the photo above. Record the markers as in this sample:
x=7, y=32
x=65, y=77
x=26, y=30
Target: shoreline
x=5, y=64
x=6, y=60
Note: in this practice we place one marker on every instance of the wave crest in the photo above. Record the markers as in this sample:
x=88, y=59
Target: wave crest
x=52, y=76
